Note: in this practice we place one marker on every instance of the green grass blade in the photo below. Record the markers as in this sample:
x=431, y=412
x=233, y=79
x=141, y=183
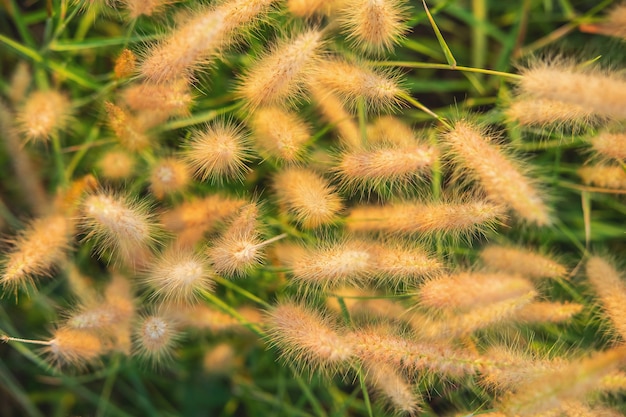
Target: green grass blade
x=442, y=42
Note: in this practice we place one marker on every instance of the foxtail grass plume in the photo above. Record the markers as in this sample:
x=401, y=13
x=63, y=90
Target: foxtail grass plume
x=279, y=77
x=333, y=265
x=463, y=324
x=374, y=25
x=179, y=275
x=308, y=8
x=609, y=285
x=308, y=196
x=390, y=131
x=548, y=312
x=218, y=152
x=548, y=391
x=128, y=129
x=602, y=92
x=118, y=224
x=334, y=112
x=279, y=133
x=43, y=114
x=308, y=339
x=155, y=338
x=403, y=398
x=193, y=218
x=426, y=219
x=36, y=251
x=72, y=347
x=168, y=176
x=20, y=82
x=125, y=64
x=531, y=111
x=200, y=38
x=169, y=99
x=503, y=181
x=116, y=165
x=610, y=146
x=352, y=83
x=399, y=263
x=603, y=176
x=137, y=8
x=381, y=345
x=522, y=261
x=395, y=167
x=467, y=290
x=240, y=248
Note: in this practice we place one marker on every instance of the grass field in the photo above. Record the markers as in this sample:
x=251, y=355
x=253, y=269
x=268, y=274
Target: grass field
x=312, y=208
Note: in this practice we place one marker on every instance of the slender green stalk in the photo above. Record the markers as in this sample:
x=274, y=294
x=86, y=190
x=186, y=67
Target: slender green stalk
x=427, y=65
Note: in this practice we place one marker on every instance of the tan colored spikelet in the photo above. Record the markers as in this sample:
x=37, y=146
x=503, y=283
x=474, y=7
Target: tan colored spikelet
x=602, y=92
x=169, y=99
x=125, y=64
x=390, y=130
x=81, y=286
x=168, y=176
x=374, y=25
x=530, y=111
x=240, y=249
x=278, y=77
x=548, y=312
x=218, y=152
x=382, y=346
x=610, y=145
x=522, y=261
x=190, y=220
x=71, y=347
x=38, y=249
x=604, y=176
x=127, y=128
x=156, y=336
x=43, y=114
x=610, y=287
x=334, y=265
x=334, y=112
x=179, y=275
x=201, y=37
x=116, y=164
x=352, y=82
x=502, y=181
x=426, y=219
x=280, y=133
x=137, y=8
x=398, y=392
x=26, y=174
x=398, y=263
x=67, y=200
x=202, y=317
x=118, y=224
x=392, y=166
x=308, y=8
x=307, y=339
x=550, y=390
x=459, y=325
x=468, y=290
x=108, y=320
x=512, y=368
x=221, y=359
x=308, y=196
x=20, y=82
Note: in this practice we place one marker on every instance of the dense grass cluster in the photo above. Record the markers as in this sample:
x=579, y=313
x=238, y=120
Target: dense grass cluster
x=311, y=208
